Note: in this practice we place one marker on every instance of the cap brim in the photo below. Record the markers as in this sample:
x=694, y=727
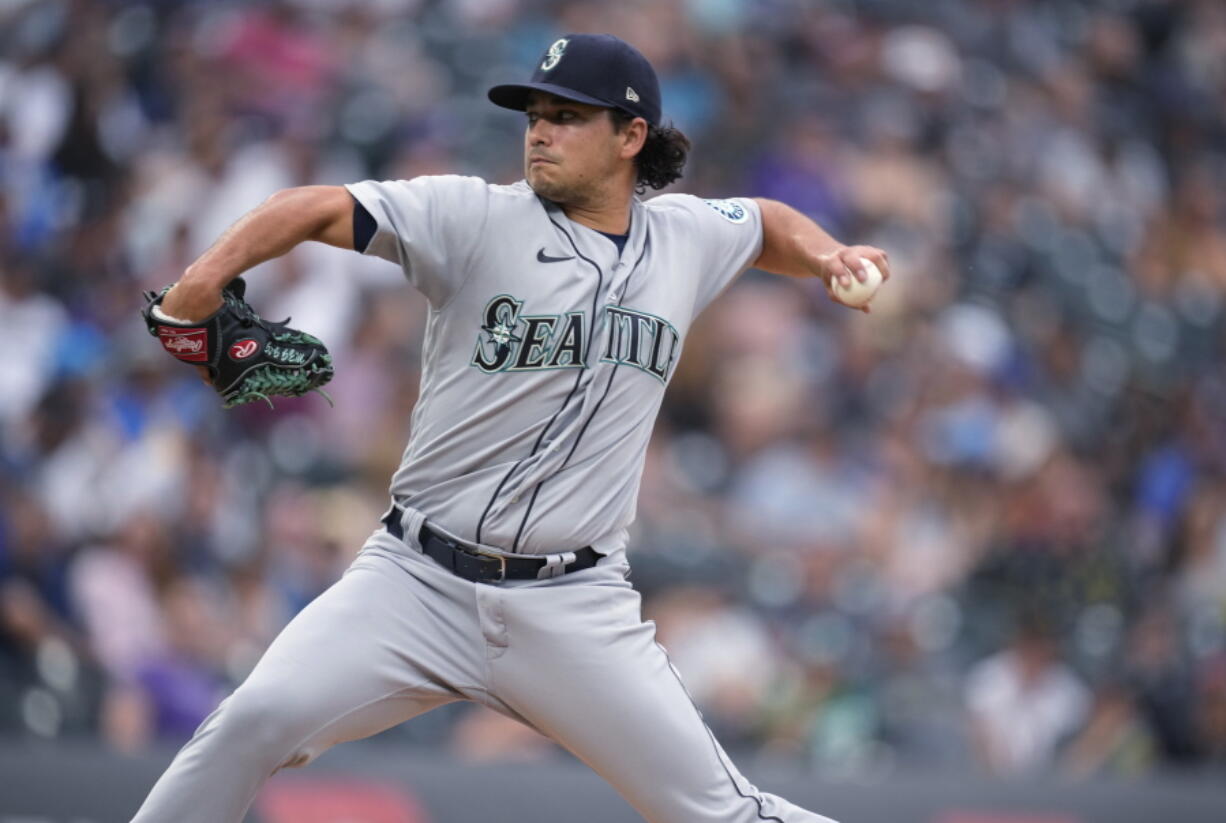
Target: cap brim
x=515, y=95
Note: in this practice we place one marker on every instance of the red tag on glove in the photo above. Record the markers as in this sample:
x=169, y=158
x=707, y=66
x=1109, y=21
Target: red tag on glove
x=191, y=345
x=244, y=349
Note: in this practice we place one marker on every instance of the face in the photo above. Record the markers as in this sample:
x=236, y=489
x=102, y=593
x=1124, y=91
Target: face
x=572, y=153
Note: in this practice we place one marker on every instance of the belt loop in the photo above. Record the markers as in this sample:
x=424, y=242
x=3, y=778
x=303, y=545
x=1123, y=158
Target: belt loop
x=407, y=521
x=411, y=522
x=555, y=565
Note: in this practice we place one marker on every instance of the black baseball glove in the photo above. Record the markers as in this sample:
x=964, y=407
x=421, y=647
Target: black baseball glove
x=247, y=357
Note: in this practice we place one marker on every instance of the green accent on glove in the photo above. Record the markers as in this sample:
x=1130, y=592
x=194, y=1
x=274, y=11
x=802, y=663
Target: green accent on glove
x=247, y=357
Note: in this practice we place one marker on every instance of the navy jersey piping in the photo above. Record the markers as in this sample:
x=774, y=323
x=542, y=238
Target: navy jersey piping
x=762, y=815
x=578, y=378
x=532, y=502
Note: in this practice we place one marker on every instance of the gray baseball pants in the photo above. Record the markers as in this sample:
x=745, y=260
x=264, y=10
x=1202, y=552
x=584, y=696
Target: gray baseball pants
x=398, y=635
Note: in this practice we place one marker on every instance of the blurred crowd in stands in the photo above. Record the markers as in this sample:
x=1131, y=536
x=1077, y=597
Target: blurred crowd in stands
x=982, y=527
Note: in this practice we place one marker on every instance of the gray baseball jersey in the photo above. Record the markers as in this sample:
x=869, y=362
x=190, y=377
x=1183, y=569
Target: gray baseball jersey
x=547, y=352
x=547, y=355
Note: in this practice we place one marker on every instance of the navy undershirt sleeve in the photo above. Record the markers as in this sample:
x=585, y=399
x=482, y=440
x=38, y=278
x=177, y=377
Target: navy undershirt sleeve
x=364, y=227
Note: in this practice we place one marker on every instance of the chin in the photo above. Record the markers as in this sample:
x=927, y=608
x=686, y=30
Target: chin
x=548, y=189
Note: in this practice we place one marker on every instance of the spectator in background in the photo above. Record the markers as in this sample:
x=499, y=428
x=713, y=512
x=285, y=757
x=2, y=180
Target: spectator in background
x=1157, y=671
x=1115, y=740
x=184, y=682
x=48, y=682
x=1024, y=703
x=1211, y=715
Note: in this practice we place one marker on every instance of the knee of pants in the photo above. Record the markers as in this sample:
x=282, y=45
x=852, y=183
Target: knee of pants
x=266, y=721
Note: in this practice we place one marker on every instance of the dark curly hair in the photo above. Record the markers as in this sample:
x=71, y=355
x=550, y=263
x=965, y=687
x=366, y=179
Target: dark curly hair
x=662, y=157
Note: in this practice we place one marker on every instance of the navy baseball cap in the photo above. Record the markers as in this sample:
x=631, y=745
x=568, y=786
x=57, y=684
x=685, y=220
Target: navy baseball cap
x=598, y=69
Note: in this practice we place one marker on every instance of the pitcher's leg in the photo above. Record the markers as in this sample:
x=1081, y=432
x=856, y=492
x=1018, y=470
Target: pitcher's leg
x=337, y=672
x=590, y=675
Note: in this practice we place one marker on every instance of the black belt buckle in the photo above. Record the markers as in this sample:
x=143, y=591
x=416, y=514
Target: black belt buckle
x=486, y=573
x=478, y=566
x=502, y=566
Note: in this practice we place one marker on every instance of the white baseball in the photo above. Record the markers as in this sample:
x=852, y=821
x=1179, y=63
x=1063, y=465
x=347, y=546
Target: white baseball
x=858, y=294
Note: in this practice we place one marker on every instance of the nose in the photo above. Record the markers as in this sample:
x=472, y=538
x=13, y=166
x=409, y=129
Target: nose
x=539, y=132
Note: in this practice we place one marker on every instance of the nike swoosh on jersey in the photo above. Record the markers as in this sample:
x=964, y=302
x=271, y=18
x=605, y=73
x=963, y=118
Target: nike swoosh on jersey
x=544, y=258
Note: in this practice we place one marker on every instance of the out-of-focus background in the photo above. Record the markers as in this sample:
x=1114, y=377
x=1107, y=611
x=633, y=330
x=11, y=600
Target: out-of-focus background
x=978, y=533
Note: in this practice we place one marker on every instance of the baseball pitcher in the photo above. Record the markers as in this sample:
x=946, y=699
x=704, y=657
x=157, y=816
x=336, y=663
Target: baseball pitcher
x=559, y=307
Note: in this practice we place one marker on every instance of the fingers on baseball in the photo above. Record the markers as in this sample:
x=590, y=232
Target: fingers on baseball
x=881, y=260
x=838, y=267
x=852, y=271
x=878, y=258
x=852, y=266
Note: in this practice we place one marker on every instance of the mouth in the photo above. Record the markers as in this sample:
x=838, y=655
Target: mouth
x=534, y=161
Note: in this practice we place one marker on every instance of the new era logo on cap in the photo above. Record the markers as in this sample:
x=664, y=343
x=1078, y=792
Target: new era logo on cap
x=597, y=69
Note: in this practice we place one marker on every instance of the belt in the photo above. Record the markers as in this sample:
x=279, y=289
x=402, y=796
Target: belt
x=484, y=567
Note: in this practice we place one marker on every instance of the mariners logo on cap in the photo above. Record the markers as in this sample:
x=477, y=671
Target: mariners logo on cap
x=554, y=54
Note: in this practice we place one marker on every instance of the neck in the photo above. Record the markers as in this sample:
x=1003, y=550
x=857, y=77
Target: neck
x=613, y=220
x=609, y=213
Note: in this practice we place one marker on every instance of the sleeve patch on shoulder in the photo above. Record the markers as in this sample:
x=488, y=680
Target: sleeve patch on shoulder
x=730, y=210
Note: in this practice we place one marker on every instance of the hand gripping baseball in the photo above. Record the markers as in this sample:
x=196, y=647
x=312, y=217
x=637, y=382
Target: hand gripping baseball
x=247, y=357
x=853, y=274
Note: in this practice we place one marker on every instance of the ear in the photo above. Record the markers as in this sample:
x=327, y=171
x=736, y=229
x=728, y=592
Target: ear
x=633, y=136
